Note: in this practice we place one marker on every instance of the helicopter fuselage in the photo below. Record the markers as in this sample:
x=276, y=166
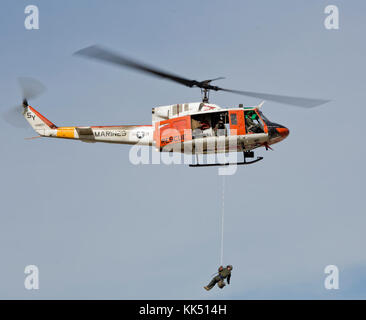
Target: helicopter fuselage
x=198, y=128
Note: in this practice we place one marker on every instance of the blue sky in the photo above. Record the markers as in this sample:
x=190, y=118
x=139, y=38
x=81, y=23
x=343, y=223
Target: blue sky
x=99, y=227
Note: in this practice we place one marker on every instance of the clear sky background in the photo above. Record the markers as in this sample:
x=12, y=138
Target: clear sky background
x=99, y=227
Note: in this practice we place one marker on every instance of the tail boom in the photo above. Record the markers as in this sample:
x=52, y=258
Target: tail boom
x=130, y=134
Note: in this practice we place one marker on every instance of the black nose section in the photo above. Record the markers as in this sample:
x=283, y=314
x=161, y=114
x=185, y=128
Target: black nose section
x=275, y=129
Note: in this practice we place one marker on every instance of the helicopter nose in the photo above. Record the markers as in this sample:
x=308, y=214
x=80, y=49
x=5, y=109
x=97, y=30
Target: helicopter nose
x=283, y=131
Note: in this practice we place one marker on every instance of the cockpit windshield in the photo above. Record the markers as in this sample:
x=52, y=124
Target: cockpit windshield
x=264, y=118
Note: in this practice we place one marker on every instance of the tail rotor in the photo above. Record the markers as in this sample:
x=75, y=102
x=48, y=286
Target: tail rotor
x=31, y=89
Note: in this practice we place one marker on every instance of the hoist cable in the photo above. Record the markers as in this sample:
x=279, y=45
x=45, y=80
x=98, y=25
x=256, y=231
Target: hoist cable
x=222, y=220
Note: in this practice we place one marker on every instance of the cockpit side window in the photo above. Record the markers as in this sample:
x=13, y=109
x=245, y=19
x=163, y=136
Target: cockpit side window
x=253, y=122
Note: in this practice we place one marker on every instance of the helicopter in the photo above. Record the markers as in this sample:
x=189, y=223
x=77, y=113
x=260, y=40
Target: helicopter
x=194, y=128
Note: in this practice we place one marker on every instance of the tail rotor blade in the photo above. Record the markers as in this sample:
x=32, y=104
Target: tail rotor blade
x=13, y=116
x=31, y=88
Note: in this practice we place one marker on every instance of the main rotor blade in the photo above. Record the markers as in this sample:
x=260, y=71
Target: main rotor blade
x=215, y=79
x=102, y=54
x=296, y=101
x=99, y=53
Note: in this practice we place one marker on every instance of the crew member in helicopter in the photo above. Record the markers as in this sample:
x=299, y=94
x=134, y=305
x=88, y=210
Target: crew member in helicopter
x=220, y=126
x=204, y=124
x=205, y=128
x=223, y=273
x=252, y=123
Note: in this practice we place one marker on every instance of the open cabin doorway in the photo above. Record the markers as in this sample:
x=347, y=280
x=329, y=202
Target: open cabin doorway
x=210, y=124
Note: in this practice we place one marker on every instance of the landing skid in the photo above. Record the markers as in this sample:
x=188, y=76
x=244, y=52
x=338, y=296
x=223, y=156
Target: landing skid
x=248, y=154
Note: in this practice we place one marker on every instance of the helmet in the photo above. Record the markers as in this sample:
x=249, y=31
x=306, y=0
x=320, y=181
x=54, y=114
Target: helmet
x=229, y=266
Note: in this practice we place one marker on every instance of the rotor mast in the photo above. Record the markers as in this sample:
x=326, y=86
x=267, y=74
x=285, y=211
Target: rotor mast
x=206, y=86
x=205, y=94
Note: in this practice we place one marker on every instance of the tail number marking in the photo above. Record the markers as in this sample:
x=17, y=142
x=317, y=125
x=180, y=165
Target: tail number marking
x=31, y=116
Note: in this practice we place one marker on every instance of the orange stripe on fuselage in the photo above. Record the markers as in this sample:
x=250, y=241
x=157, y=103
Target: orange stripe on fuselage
x=66, y=132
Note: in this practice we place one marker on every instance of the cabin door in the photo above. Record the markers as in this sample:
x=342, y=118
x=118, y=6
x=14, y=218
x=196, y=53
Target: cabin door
x=237, y=126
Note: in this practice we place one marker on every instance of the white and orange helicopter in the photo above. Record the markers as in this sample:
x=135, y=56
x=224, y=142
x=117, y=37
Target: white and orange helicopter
x=194, y=128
